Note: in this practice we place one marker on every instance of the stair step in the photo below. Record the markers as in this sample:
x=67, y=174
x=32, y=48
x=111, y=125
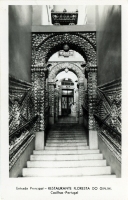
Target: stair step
x=66, y=154
x=66, y=144
x=64, y=128
x=66, y=141
x=67, y=137
x=81, y=171
x=54, y=152
x=101, y=176
x=66, y=148
x=59, y=164
x=66, y=157
x=71, y=126
x=96, y=176
x=60, y=126
x=68, y=134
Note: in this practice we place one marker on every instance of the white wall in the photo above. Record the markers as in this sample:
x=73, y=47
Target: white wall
x=42, y=13
x=20, y=21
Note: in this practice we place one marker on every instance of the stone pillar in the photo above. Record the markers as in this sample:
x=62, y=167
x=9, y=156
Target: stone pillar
x=56, y=105
x=91, y=75
x=46, y=108
x=77, y=105
x=38, y=82
x=81, y=99
x=51, y=86
x=85, y=105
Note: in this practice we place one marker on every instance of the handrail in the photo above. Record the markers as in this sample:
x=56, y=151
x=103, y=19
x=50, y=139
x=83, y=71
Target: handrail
x=23, y=126
x=25, y=137
x=110, y=136
x=17, y=145
x=19, y=151
x=108, y=126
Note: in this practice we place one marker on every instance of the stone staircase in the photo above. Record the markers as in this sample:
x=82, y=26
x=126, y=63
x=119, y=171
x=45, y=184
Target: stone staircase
x=67, y=154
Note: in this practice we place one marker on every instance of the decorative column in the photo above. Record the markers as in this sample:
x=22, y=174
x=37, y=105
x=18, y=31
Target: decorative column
x=91, y=75
x=39, y=84
x=51, y=86
x=56, y=104
x=46, y=108
x=46, y=102
x=81, y=98
x=77, y=104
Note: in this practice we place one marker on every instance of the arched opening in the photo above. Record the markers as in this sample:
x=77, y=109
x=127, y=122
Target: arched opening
x=43, y=47
x=68, y=96
x=70, y=93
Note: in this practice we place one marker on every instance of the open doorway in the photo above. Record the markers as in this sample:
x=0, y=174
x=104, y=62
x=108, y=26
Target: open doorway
x=67, y=101
x=67, y=98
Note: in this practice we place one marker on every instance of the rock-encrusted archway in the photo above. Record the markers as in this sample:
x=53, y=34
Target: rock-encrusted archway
x=44, y=45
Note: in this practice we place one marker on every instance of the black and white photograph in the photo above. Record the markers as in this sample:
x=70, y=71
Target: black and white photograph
x=64, y=101
x=65, y=91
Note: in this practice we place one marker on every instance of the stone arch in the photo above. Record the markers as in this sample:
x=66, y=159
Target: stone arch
x=61, y=66
x=45, y=45
x=53, y=71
